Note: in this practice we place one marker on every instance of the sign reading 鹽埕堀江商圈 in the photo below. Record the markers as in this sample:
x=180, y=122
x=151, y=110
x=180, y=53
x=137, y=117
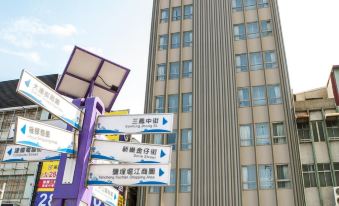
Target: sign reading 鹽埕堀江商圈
x=131, y=152
x=41, y=94
x=134, y=124
x=39, y=135
x=129, y=174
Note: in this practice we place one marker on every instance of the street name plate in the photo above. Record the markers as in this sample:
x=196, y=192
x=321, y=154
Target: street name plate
x=131, y=152
x=134, y=124
x=129, y=175
x=39, y=135
x=18, y=153
x=46, y=97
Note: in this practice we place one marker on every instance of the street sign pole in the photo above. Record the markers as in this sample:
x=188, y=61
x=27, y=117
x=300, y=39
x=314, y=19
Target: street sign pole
x=74, y=192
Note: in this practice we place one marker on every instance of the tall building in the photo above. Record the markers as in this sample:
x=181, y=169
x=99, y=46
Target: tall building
x=318, y=131
x=220, y=66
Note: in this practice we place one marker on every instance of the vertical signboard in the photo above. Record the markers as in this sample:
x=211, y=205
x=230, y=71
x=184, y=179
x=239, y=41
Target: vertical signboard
x=46, y=97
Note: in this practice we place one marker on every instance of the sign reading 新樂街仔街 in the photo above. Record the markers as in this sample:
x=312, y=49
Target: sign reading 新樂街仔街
x=131, y=152
x=129, y=174
x=18, y=153
x=135, y=124
x=39, y=135
x=38, y=92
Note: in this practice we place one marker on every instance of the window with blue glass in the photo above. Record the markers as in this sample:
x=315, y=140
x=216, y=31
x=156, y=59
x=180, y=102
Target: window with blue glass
x=187, y=38
x=256, y=62
x=274, y=94
x=239, y=32
x=164, y=16
x=187, y=102
x=173, y=103
x=159, y=104
x=188, y=11
x=244, y=97
x=163, y=41
x=266, y=28
x=252, y=30
x=258, y=95
x=250, y=4
x=262, y=133
x=174, y=70
x=237, y=5
x=241, y=62
x=172, y=139
x=171, y=186
x=176, y=13
x=186, y=139
x=263, y=3
x=185, y=180
x=161, y=72
x=175, y=40
x=187, y=69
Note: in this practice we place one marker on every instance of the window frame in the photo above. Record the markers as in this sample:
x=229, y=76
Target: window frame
x=176, y=13
x=244, y=102
x=262, y=182
x=161, y=77
x=187, y=144
x=285, y=182
x=190, y=14
x=277, y=99
x=276, y=137
x=175, y=40
x=249, y=184
x=242, y=66
x=159, y=108
x=252, y=31
x=163, y=45
x=174, y=70
x=309, y=172
x=240, y=28
x=248, y=141
x=187, y=185
x=258, y=100
x=186, y=74
x=189, y=106
x=171, y=99
x=162, y=18
x=325, y=174
x=188, y=39
x=261, y=139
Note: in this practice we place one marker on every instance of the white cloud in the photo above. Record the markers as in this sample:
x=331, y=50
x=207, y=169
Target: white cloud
x=27, y=32
x=30, y=56
x=68, y=48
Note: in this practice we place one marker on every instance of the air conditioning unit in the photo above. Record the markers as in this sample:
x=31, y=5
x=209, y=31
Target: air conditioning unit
x=336, y=195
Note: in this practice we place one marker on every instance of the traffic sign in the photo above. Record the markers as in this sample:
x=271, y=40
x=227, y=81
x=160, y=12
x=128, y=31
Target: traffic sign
x=134, y=124
x=129, y=174
x=107, y=194
x=131, y=152
x=36, y=134
x=18, y=153
x=41, y=94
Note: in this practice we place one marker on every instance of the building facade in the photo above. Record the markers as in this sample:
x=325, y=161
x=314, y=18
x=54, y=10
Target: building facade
x=220, y=67
x=20, y=178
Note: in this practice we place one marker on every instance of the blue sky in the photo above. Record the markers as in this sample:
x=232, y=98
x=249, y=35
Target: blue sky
x=38, y=35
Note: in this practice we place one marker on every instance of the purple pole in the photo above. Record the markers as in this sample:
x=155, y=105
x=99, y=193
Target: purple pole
x=75, y=192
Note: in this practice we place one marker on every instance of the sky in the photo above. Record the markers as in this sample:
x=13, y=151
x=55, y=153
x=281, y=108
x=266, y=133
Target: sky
x=39, y=35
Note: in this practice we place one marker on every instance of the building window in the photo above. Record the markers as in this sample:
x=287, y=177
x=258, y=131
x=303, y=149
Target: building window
x=185, y=180
x=336, y=171
x=173, y=103
x=175, y=40
x=258, y=95
x=187, y=102
x=172, y=139
x=186, y=139
x=239, y=32
x=188, y=11
x=252, y=30
x=163, y=39
x=250, y=4
x=279, y=136
x=241, y=63
x=174, y=70
x=325, y=176
x=332, y=127
x=158, y=139
x=159, y=104
x=187, y=69
x=263, y=3
x=237, y=5
x=154, y=189
x=318, y=131
x=249, y=180
x=244, y=97
x=171, y=187
x=270, y=60
x=164, y=16
x=266, y=28
x=161, y=72
x=309, y=175
x=283, y=177
x=274, y=94
x=266, y=180
x=246, y=135
x=15, y=186
x=262, y=134
x=176, y=13
x=256, y=61
x=303, y=131
x=187, y=38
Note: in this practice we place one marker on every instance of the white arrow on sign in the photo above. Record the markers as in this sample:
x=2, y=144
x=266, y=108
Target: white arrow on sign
x=131, y=152
x=41, y=94
x=134, y=124
x=18, y=153
x=129, y=174
x=39, y=135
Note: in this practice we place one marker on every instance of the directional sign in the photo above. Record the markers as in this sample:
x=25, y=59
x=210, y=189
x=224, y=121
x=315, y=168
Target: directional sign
x=131, y=152
x=106, y=194
x=129, y=175
x=36, y=134
x=134, y=124
x=18, y=153
x=38, y=92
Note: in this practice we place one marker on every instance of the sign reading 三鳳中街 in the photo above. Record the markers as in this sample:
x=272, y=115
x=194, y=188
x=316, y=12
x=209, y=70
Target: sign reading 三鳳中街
x=18, y=153
x=131, y=152
x=129, y=174
x=107, y=194
x=38, y=92
x=134, y=124
x=39, y=135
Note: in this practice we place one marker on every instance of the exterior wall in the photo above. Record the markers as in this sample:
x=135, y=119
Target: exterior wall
x=217, y=156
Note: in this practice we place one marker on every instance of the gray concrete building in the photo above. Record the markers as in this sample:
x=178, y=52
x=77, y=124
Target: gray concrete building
x=220, y=66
